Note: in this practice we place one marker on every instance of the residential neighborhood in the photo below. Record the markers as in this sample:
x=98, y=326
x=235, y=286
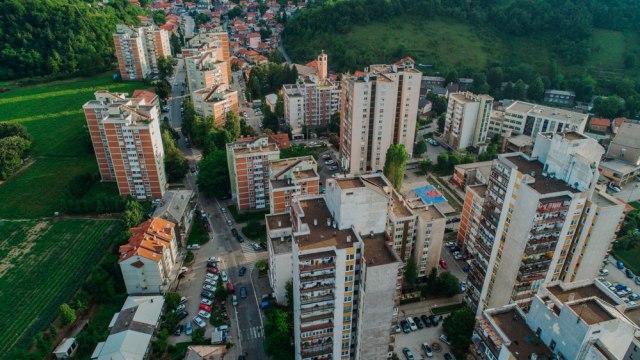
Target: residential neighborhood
x=219, y=191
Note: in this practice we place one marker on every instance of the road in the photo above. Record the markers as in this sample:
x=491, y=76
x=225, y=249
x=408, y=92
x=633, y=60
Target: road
x=246, y=320
x=252, y=119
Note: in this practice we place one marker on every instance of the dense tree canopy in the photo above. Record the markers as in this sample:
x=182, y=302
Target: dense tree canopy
x=59, y=36
x=395, y=164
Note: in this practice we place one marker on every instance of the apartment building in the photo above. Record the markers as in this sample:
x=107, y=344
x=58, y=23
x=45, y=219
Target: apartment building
x=346, y=285
x=538, y=210
x=138, y=50
x=565, y=321
x=467, y=121
x=206, y=69
x=148, y=261
x=471, y=174
x=126, y=138
x=311, y=100
x=249, y=168
x=216, y=101
x=289, y=178
x=470, y=221
x=623, y=154
x=379, y=108
x=279, y=236
x=205, y=41
x=530, y=119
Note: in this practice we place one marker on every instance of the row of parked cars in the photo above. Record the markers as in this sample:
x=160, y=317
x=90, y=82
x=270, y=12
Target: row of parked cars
x=417, y=323
x=623, y=292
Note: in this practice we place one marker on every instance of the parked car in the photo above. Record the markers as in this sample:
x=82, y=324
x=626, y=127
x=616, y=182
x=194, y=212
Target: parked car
x=230, y=286
x=398, y=329
x=213, y=259
x=188, y=330
x=234, y=300
x=183, y=300
x=425, y=320
x=234, y=232
x=613, y=187
x=427, y=350
x=224, y=276
x=634, y=297
x=183, y=315
x=165, y=108
x=206, y=302
x=329, y=162
x=445, y=339
x=263, y=245
x=443, y=264
x=637, y=280
x=178, y=330
x=206, y=308
x=229, y=222
x=412, y=324
x=255, y=247
x=418, y=322
x=405, y=326
x=224, y=209
x=213, y=270
x=450, y=244
x=210, y=281
x=620, y=265
x=458, y=256
x=209, y=287
x=204, y=314
x=604, y=272
x=326, y=156
x=180, y=307
x=243, y=292
x=207, y=294
x=193, y=247
x=630, y=274
x=198, y=321
x=333, y=168
x=240, y=239
x=434, y=320
x=408, y=354
x=242, y=271
x=463, y=286
x=212, y=276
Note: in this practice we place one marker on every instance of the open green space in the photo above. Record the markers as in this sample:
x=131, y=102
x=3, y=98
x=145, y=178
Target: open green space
x=53, y=114
x=42, y=264
x=199, y=234
x=630, y=258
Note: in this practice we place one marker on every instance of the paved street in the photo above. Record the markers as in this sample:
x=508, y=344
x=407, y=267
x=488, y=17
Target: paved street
x=630, y=192
x=238, y=85
x=415, y=339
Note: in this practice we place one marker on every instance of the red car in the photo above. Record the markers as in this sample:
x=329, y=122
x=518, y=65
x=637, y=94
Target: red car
x=230, y=286
x=213, y=270
x=206, y=308
x=443, y=263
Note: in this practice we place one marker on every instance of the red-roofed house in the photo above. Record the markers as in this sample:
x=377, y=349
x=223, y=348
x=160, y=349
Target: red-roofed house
x=149, y=260
x=260, y=60
x=282, y=140
x=253, y=40
x=600, y=124
x=616, y=123
x=149, y=97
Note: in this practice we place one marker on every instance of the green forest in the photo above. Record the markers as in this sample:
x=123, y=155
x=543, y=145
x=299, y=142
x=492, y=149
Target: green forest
x=578, y=37
x=58, y=38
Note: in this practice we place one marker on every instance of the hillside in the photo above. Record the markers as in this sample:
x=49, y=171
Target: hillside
x=59, y=37
x=474, y=35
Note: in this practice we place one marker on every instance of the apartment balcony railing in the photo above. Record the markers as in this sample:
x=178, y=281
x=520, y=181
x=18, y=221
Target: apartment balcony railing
x=548, y=220
x=318, y=351
x=316, y=299
x=311, y=318
x=328, y=325
x=328, y=334
x=537, y=250
x=536, y=261
x=546, y=231
x=543, y=240
x=316, y=277
x=530, y=276
x=316, y=308
x=325, y=286
x=318, y=266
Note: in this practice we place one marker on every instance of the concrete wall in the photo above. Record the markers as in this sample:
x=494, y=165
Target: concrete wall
x=280, y=273
x=363, y=208
x=378, y=301
x=429, y=237
x=147, y=279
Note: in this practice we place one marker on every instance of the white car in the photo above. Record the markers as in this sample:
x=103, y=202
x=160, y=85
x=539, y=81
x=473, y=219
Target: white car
x=204, y=314
x=445, y=339
x=193, y=247
x=213, y=259
x=224, y=210
x=199, y=322
x=209, y=287
x=329, y=162
x=234, y=300
x=206, y=302
x=613, y=187
x=180, y=307
x=213, y=277
x=412, y=324
x=224, y=276
x=604, y=272
x=210, y=281
x=183, y=270
x=463, y=286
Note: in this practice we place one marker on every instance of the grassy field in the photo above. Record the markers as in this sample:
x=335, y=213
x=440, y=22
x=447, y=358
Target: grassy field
x=53, y=115
x=42, y=263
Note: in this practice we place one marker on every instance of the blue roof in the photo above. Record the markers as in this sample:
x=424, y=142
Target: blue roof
x=430, y=195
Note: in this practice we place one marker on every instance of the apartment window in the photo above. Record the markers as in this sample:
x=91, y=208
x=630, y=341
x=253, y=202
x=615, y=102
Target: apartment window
x=348, y=278
x=346, y=327
x=350, y=256
x=347, y=298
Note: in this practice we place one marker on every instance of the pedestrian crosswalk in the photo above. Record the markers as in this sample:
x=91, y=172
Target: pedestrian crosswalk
x=256, y=332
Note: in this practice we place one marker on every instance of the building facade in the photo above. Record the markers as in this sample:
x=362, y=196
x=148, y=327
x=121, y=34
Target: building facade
x=379, y=108
x=206, y=69
x=249, y=169
x=216, y=101
x=148, y=260
x=205, y=41
x=126, y=138
x=467, y=121
x=532, y=210
x=138, y=50
x=292, y=177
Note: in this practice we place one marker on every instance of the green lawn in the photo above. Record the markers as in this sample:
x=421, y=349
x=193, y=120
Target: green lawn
x=53, y=115
x=630, y=258
x=199, y=234
x=42, y=264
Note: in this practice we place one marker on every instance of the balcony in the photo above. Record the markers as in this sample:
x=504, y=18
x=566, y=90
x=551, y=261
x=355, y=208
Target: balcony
x=318, y=266
x=312, y=318
x=322, y=286
x=317, y=351
x=313, y=309
x=316, y=277
x=551, y=219
x=328, y=334
x=533, y=250
x=316, y=299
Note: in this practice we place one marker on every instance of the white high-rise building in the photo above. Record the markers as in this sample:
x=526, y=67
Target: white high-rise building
x=467, y=120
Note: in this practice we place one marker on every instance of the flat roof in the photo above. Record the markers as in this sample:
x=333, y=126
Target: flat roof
x=256, y=149
x=591, y=311
x=619, y=165
x=557, y=114
x=322, y=235
x=475, y=165
x=480, y=189
x=523, y=341
x=377, y=252
x=400, y=209
x=603, y=199
x=283, y=219
x=542, y=185
x=281, y=245
x=283, y=164
x=350, y=183
x=579, y=293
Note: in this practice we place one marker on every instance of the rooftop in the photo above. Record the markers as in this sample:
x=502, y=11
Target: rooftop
x=533, y=168
x=480, y=189
x=281, y=245
x=377, y=252
x=400, y=208
x=591, y=311
x=350, y=183
x=521, y=140
x=578, y=293
x=174, y=204
x=475, y=165
x=321, y=235
x=620, y=166
x=603, y=199
x=522, y=345
x=547, y=112
x=278, y=221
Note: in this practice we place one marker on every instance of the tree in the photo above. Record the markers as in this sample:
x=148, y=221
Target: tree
x=163, y=89
x=198, y=335
x=536, y=89
x=459, y=326
x=425, y=165
x=452, y=77
x=420, y=148
x=438, y=103
x=232, y=125
x=495, y=77
x=334, y=123
x=176, y=44
x=67, y=314
x=246, y=129
x=395, y=164
x=411, y=271
x=133, y=214
x=277, y=342
x=442, y=120
x=448, y=284
x=172, y=299
x=165, y=67
x=175, y=164
x=221, y=292
x=159, y=18
x=213, y=177
x=608, y=107
x=520, y=90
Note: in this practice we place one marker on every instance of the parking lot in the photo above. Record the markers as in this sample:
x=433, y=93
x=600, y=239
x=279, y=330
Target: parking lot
x=415, y=339
x=617, y=276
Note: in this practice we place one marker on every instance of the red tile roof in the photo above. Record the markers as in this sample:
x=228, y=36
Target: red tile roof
x=600, y=122
x=282, y=140
x=148, y=240
x=146, y=95
x=618, y=121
